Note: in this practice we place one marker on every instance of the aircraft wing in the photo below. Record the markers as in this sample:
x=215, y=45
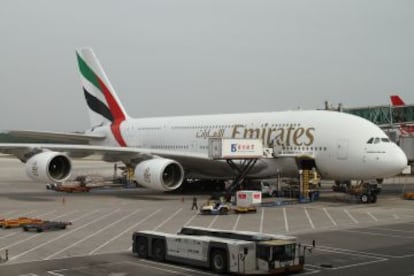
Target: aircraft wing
x=53, y=137
x=197, y=163
x=110, y=154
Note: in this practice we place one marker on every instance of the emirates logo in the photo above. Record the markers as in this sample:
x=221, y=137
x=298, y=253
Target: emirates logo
x=147, y=175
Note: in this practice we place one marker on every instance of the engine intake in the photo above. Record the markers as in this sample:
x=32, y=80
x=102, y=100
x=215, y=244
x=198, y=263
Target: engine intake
x=160, y=174
x=49, y=167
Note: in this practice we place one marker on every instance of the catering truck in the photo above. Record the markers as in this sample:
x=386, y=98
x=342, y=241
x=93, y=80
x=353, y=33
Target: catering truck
x=223, y=251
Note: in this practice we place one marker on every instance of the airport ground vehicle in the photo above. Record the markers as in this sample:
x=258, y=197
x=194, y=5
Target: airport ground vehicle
x=46, y=225
x=223, y=251
x=10, y=223
x=68, y=188
x=244, y=209
x=213, y=207
x=365, y=192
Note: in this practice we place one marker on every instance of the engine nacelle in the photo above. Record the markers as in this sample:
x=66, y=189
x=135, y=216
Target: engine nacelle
x=49, y=166
x=160, y=174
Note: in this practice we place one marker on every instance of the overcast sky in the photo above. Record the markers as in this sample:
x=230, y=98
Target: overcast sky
x=178, y=57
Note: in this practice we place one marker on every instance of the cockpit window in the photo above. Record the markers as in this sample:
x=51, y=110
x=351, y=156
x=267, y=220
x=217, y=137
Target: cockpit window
x=370, y=140
x=385, y=140
x=377, y=140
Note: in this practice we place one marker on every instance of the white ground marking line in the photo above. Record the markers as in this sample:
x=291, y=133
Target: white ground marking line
x=372, y=216
x=46, y=214
x=89, y=236
x=309, y=218
x=350, y=216
x=190, y=220
x=85, y=215
x=65, y=215
x=168, y=219
x=170, y=266
x=212, y=221
x=125, y=231
x=261, y=221
x=55, y=273
x=61, y=236
x=27, y=213
x=9, y=235
x=236, y=223
x=329, y=216
x=395, y=216
x=286, y=221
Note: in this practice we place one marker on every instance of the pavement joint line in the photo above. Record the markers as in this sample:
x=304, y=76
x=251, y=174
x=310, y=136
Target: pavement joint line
x=27, y=213
x=61, y=236
x=329, y=216
x=394, y=230
x=172, y=266
x=309, y=218
x=358, y=264
x=85, y=215
x=237, y=222
x=168, y=219
x=355, y=252
x=351, y=216
x=8, y=213
x=212, y=221
x=91, y=235
x=377, y=234
x=286, y=220
x=9, y=235
x=395, y=216
x=125, y=231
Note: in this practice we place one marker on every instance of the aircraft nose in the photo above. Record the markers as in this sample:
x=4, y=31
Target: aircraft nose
x=400, y=159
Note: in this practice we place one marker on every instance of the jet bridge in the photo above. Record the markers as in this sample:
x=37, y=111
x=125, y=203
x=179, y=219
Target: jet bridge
x=240, y=154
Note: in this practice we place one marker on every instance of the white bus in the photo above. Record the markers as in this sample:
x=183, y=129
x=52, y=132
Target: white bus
x=222, y=251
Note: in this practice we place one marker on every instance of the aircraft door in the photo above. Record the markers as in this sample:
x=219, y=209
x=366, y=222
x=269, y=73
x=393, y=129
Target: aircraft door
x=342, y=146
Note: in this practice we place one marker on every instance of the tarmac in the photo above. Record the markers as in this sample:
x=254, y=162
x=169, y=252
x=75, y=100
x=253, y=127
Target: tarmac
x=351, y=238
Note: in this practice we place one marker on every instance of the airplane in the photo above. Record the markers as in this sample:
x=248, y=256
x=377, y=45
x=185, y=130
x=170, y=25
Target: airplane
x=396, y=100
x=165, y=151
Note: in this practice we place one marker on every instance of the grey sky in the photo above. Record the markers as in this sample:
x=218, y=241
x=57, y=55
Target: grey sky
x=177, y=57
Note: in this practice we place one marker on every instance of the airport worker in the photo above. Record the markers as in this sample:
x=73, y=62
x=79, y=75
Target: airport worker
x=194, y=204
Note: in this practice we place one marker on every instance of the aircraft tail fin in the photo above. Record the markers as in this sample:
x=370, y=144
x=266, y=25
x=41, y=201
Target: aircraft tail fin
x=396, y=100
x=103, y=103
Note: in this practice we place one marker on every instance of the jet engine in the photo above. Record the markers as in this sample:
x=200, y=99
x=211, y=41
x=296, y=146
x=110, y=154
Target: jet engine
x=160, y=174
x=49, y=166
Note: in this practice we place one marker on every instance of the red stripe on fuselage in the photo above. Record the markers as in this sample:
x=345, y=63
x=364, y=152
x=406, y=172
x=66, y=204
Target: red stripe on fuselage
x=116, y=111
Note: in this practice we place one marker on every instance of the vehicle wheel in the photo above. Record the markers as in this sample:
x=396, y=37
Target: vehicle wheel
x=64, y=227
x=158, y=250
x=25, y=229
x=141, y=247
x=223, y=211
x=218, y=261
x=39, y=230
x=364, y=198
x=380, y=180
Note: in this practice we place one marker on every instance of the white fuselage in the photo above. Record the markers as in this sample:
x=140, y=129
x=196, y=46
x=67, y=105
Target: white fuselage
x=338, y=142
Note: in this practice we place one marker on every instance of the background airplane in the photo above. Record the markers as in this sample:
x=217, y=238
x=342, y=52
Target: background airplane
x=164, y=151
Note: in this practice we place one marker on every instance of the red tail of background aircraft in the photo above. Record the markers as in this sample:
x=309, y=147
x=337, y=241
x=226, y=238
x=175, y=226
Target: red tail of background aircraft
x=396, y=100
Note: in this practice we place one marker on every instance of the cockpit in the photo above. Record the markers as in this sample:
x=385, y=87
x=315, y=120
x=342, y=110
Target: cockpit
x=377, y=140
